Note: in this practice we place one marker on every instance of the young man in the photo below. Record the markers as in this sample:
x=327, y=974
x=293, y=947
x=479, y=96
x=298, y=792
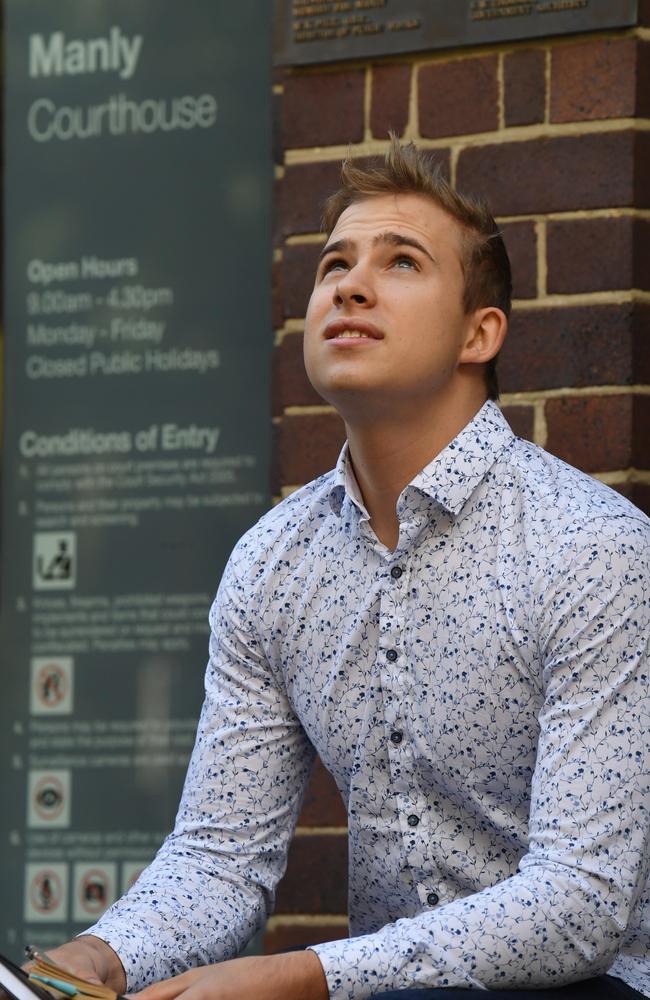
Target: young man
x=458, y=623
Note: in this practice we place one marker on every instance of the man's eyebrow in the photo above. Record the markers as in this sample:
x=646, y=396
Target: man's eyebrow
x=338, y=246
x=392, y=239
x=400, y=240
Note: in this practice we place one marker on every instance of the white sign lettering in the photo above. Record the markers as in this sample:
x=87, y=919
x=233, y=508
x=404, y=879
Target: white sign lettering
x=57, y=56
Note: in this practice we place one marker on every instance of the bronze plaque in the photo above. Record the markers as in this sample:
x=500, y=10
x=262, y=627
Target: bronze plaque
x=318, y=31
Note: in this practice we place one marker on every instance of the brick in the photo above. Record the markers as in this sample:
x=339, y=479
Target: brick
x=590, y=255
x=593, y=80
x=277, y=295
x=521, y=241
x=323, y=109
x=642, y=170
x=524, y=74
x=643, y=80
x=389, y=107
x=289, y=383
x=305, y=187
x=572, y=346
x=641, y=345
x=316, y=876
x=288, y=937
x=277, y=236
x=640, y=432
x=277, y=146
x=560, y=174
x=306, y=446
x=323, y=805
x=521, y=419
x=593, y=433
x=639, y=495
x=458, y=97
x=299, y=263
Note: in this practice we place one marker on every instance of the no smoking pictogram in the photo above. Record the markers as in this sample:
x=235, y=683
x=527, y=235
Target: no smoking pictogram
x=46, y=892
x=93, y=894
x=52, y=685
x=94, y=889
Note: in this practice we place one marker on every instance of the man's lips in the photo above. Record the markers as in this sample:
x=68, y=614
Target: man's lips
x=352, y=330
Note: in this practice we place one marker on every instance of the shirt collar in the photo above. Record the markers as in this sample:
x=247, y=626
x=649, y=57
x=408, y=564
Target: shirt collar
x=452, y=476
x=344, y=483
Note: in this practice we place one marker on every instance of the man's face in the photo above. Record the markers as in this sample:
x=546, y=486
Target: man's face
x=385, y=319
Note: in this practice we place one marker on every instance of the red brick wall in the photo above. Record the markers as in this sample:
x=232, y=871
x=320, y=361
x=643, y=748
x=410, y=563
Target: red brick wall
x=556, y=134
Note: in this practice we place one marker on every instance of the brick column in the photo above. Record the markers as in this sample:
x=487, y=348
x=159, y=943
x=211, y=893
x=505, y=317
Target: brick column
x=556, y=134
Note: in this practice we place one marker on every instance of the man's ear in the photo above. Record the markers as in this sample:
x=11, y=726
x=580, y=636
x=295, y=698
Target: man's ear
x=485, y=334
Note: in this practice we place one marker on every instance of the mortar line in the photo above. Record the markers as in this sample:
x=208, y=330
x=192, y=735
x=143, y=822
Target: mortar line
x=320, y=831
x=412, y=130
x=308, y=410
x=306, y=920
x=631, y=475
x=542, y=261
x=613, y=297
x=367, y=99
x=501, y=91
x=570, y=215
x=532, y=396
x=517, y=133
x=540, y=427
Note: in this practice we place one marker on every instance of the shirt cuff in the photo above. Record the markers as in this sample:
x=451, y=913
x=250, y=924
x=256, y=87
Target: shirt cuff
x=401, y=956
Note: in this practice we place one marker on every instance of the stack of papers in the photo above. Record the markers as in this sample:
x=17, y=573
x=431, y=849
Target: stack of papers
x=46, y=980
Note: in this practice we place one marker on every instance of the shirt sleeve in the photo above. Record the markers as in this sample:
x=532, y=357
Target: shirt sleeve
x=563, y=916
x=212, y=883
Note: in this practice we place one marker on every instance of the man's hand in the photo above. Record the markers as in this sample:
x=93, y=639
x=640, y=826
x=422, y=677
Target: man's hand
x=297, y=975
x=92, y=959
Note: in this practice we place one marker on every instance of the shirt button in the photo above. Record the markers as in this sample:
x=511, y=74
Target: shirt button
x=433, y=898
x=396, y=738
x=413, y=820
x=396, y=572
x=391, y=654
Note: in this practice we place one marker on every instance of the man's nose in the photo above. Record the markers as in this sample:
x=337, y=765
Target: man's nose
x=354, y=286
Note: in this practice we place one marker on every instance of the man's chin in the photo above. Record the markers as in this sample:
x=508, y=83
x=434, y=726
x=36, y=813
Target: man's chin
x=358, y=401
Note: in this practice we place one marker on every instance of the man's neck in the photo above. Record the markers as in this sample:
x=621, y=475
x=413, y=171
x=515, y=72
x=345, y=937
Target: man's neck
x=386, y=455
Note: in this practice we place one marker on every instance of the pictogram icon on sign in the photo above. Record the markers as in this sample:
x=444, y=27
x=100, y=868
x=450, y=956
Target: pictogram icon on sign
x=55, y=560
x=94, y=889
x=131, y=871
x=48, y=799
x=52, y=685
x=46, y=892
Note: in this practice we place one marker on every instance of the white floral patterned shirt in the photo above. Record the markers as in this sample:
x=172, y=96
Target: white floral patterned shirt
x=481, y=697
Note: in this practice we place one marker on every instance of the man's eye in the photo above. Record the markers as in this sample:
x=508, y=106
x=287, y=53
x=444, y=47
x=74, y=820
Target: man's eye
x=334, y=264
x=406, y=262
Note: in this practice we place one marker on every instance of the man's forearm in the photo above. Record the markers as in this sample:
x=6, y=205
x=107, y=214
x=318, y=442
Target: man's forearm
x=291, y=976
